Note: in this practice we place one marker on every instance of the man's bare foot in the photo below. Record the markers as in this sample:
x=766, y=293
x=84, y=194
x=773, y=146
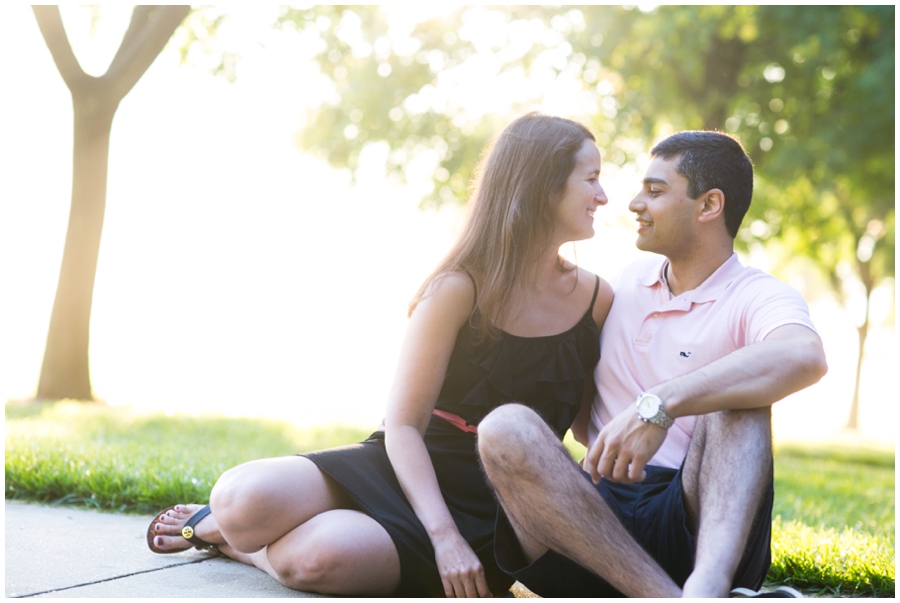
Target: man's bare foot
x=166, y=529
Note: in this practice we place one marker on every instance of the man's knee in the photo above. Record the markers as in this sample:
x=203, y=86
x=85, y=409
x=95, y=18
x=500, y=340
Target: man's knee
x=723, y=438
x=726, y=444
x=732, y=427
x=507, y=438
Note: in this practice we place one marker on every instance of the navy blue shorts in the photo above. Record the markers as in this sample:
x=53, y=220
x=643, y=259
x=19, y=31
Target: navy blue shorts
x=653, y=512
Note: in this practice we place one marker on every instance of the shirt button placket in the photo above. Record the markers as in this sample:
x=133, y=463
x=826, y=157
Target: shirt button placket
x=648, y=329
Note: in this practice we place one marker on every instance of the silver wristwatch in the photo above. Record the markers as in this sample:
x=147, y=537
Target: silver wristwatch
x=650, y=409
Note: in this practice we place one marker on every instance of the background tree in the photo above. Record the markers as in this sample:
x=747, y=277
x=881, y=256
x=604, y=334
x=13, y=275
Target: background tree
x=65, y=370
x=807, y=89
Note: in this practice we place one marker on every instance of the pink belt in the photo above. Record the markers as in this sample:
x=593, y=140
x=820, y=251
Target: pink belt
x=455, y=420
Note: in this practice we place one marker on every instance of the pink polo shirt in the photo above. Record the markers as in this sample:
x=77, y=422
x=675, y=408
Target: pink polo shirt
x=651, y=337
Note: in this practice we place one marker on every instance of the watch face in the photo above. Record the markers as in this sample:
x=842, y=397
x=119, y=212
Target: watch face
x=648, y=406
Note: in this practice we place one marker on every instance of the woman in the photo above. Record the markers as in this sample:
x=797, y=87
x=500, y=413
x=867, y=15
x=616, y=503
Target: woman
x=503, y=318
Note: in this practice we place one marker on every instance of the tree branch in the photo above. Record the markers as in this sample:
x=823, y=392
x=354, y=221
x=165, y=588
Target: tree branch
x=147, y=34
x=50, y=23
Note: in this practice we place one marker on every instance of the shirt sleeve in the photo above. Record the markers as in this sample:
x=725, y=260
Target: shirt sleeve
x=769, y=304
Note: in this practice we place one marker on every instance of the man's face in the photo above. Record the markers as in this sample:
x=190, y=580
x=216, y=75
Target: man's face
x=664, y=212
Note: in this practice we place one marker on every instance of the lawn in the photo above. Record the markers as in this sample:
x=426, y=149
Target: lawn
x=833, y=523
x=833, y=530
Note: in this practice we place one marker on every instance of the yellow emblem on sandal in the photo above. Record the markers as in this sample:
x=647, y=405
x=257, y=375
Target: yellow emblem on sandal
x=187, y=532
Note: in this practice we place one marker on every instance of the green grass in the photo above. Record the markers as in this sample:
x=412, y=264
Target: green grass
x=115, y=460
x=833, y=522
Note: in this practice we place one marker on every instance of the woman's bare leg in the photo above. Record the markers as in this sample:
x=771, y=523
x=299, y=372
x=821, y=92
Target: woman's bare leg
x=259, y=502
x=341, y=552
x=255, y=504
x=290, y=520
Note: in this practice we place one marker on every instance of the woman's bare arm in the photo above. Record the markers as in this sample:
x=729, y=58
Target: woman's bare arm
x=430, y=337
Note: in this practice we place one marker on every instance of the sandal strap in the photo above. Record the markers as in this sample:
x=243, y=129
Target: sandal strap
x=187, y=532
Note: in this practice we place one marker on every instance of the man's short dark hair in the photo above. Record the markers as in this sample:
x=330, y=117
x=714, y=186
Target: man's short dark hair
x=711, y=160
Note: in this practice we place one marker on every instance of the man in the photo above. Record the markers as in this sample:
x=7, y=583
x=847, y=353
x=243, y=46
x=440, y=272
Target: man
x=675, y=495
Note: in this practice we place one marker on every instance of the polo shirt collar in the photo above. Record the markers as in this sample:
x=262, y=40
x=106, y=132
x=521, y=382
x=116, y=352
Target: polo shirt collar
x=709, y=290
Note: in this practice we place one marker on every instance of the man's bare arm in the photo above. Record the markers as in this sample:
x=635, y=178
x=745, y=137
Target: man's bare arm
x=789, y=359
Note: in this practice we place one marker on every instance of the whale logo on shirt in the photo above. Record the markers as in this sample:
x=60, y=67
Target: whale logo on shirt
x=684, y=354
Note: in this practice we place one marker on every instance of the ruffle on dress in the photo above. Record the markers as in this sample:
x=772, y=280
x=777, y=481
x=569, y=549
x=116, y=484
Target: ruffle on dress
x=556, y=364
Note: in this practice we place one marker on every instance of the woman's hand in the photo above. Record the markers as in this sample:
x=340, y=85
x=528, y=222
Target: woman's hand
x=460, y=569
x=428, y=345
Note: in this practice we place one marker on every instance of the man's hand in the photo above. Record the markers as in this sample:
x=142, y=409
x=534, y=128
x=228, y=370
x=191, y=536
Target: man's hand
x=622, y=449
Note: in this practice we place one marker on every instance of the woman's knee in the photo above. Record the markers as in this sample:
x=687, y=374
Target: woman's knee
x=239, y=495
x=311, y=569
x=342, y=552
x=224, y=491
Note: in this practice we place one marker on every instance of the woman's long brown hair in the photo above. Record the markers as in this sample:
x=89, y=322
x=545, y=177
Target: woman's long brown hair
x=509, y=224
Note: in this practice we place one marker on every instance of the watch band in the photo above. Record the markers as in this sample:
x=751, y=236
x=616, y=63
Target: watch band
x=649, y=403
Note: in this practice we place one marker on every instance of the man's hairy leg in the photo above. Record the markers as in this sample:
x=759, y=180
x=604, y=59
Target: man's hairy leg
x=546, y=497
x=726, y=473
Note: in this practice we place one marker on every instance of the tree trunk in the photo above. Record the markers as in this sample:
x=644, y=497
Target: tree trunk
x=863, y=332
x=65, y=372
x=724, y=62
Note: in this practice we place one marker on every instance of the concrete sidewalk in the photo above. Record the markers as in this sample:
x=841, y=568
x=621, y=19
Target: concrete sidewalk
x=74, y=553
x=65, y=552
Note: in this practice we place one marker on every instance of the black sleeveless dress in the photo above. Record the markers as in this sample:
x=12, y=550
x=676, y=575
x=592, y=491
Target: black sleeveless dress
x=544, y=373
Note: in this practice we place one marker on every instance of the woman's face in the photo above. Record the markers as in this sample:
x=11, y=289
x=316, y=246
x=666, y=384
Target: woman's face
x=573, y=210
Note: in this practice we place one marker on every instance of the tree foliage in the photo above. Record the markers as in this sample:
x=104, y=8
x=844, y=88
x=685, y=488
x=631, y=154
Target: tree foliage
x=807, y=89
x=384, y=81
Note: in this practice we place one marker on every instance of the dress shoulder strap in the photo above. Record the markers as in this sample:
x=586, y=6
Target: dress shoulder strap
x=472, y=278
x=596, y=290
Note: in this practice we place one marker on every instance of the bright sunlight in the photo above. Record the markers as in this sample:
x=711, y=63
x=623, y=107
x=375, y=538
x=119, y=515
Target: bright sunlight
x=238, y=275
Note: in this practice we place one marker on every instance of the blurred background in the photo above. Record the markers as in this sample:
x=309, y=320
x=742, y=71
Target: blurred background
x=281, y=180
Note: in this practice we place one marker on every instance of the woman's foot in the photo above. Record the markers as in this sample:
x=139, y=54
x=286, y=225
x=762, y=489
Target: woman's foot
x=166, y=529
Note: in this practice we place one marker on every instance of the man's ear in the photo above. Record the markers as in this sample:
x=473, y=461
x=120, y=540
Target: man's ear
x=713, y=205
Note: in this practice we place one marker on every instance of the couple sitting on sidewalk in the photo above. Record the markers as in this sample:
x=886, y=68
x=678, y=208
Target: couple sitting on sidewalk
x=669, y=383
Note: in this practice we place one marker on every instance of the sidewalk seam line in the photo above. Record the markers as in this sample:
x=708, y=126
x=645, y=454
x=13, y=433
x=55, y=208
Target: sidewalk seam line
x=65, y=588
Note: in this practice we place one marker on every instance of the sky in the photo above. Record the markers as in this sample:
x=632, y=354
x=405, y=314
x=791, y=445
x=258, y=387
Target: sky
x=242, y=276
